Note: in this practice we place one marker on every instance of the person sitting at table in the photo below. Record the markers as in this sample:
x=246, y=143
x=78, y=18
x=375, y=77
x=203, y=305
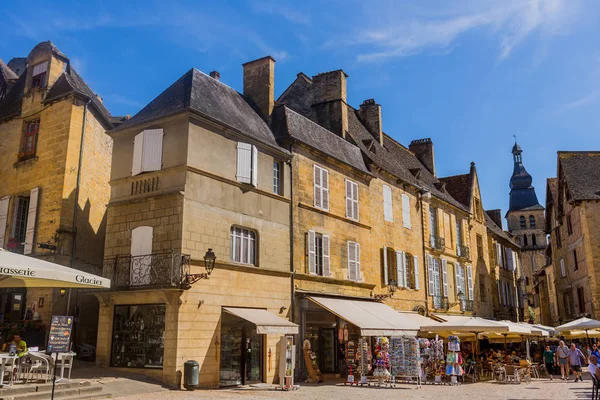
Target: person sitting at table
x=593, y=368
x=20, y=343
x=9, y=340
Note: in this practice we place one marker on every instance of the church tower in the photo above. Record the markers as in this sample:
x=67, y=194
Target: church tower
x=525, y=218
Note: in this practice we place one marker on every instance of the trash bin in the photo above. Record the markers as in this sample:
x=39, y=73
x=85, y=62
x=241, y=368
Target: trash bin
x=191, y=374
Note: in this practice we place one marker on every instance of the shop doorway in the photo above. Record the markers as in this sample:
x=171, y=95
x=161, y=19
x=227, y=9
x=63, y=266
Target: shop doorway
x=241, y=352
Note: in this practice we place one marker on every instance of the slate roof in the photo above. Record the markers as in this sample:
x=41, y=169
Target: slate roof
x=18, y=65
x=7, y=73
x=491, y=225
x=195, y=91
x=459, y=187
x=288, y=123
x=10, y=105
x=582, y=173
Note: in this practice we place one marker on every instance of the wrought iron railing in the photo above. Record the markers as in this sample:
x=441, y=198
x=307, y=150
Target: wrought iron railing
x=463, y=251
x=436, y=242
x=440, y=303
x=467, y=305
x=158, y=270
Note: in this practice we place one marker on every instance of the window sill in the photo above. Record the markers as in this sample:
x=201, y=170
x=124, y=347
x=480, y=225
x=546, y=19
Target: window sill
x=328, y=279
x=25, y=160
x=329, y=214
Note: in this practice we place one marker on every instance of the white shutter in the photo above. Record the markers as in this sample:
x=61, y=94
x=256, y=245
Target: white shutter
x=470, y=281
x=312, y=253
x=388, y=213
x=325, y=188
x=457, y=278
x=430, y=274
x=355, y=200
x=416, y=268
x=326, y=257
x=152, y=150
x=352, y=261
x=138, y=151
x=500, y=256
x=445, y=277
x=40, y=68
x=254, y=166
x=351, y=200
x=31, y=219
x=357, y=258
x=244, y=162
x=317, y=186
x=406, y=211
x=509, y=260
x=401, y=269
x=141, y=245
x=385, y=267
x=515, y=256
x=563, y=272
x=4, y=202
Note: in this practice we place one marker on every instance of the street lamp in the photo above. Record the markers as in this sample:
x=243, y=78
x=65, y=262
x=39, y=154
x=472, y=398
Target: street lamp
x=209, y=264
x=461, y=298
x=392, y=286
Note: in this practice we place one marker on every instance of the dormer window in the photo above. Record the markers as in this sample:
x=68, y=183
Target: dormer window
x=38, y=76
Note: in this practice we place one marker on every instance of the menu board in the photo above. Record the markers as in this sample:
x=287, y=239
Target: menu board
x=59, y=340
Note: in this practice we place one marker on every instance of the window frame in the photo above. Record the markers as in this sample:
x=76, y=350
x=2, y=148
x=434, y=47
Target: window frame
x=20, y=219
x=522, y=222
x=575, y=261
x=569, y=226
x=277, y=175
x=532, y=222
x=479, y=240
x=27, y=134
x=352, y=203
x=39, y=81
x=252, y=238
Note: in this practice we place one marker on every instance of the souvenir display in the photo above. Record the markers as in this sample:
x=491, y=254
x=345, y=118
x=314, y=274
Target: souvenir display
x=312, y=364
x=432, y=359
x=405, y=358
x=454, y=359
x=381, y=360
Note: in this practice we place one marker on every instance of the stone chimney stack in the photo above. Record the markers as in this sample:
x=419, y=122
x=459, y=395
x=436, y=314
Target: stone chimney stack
x=496, y=216
x=423, y=149
x=329, y=101
x=215, y=75
x=370, y=113
x=259, y=84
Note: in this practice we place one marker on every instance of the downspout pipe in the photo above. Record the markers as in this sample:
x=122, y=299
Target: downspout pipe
x=426, y=281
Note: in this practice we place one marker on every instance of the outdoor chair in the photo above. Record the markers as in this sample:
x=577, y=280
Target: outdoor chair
x=512, y=374
x=87, y=352
x=38, y=366
x=500, y=373
x=65, y=361
x=595, y=394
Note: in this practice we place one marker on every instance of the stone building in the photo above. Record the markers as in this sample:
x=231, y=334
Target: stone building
x=525, y=219
x=573, y=206
x=197, y=169
x=54, y=188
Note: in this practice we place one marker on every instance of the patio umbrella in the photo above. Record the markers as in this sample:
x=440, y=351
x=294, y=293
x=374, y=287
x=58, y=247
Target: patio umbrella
x=584, y=324
x=579, y=334
x=19, y=271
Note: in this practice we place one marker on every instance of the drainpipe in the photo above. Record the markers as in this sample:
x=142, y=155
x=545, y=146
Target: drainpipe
x=426, y=280
x=292, y=280
x=73, y=244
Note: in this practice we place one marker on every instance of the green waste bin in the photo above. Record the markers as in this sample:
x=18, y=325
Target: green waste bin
x=191, y=374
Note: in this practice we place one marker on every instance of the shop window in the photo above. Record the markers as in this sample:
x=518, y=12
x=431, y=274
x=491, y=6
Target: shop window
x=318, y=254
x=30, y=138
x=38, y=76
x=522, y=222
x=532, y=222
x=243, y=245
x=138, y=336
x=569, y=226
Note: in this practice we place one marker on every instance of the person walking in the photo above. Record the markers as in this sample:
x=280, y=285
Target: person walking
x=576, y=361
x=593, y=368
x=549, y=361
x=562, y=354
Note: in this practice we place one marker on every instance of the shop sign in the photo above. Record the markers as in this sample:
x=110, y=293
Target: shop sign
x=59, y=340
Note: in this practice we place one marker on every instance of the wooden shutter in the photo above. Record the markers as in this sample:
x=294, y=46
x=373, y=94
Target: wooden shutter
x=355, y=200
x=31, y=221
x=138, y=151
x=457, y=277
x=416, y=268
x=388, y=214
x=351, y=200
x=325, y=188
x=152, y=150
x=4, y=202
x=357, y=257
x=312, y=253
x=444, y=277
x=326, y=256
x=40, y=68
x=351, y=261
x=317, y=186
x=254, y=166
x=509, y=260
x=400, y=269
x=244, y=163
x=470, y=281
x=563, y=272
x=430, y=274
x=406, y=211
x=385, y=266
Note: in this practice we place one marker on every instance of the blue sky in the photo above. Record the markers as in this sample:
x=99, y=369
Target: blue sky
x=468, y=74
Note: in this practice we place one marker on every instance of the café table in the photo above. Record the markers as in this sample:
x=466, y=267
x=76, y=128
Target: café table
x=6, y=360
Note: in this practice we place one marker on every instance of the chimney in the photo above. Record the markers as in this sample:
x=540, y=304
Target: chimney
x=259, y=84
x=328, y=92
x=423, y=149
x=370, y=113
x=215, y=75
x=496, y=216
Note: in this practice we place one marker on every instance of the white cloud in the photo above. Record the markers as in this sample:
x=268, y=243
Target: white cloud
x=582, y=101
x=281, y=9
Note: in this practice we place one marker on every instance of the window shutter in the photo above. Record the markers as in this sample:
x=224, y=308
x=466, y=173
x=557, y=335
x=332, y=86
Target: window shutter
x=40, y=68
x=352, y=261
x=400, y=269
x=430, y=274
x=326, y=258
x=385, y=266
x=4, y=202
x=406, y=211
x=138, y=150
x=317, y=186
x=470, y=281
x=499, y=292
x=416, y=268
x=244, y=162
x=31, y=216
x=563, y=272
x=509, y=260
x=357, y=258
x=388, y=214
x=254, y=166
x=152, y=150
x=325, y=189
x=141, y=241
x=355, y=200
x=501, y=255
x=445, y=277
x=457, y=278
x=312, y=253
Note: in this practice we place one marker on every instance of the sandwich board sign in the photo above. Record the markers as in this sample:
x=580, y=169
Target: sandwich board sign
x=59, y=340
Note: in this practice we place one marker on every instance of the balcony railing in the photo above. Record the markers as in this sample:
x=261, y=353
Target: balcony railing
x=463, y=251
x=440, y=303
x=158, y=270
x=467, y=305
x=436, y=242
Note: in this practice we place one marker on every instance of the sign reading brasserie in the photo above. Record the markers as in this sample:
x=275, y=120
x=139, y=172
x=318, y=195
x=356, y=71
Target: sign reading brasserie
x=59, y=340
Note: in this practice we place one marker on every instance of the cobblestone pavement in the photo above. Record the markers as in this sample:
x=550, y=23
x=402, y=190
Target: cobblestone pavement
x=538, y=389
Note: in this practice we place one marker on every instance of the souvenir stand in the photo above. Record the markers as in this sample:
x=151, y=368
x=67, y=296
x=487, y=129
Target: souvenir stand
x=381, y=362
x=433, y=363
x=405, y=359
x=454, y=360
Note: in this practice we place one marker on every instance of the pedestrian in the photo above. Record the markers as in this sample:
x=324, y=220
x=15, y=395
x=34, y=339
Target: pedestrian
x=595, y=351
x=593, y=368
x=562, y=354
x=549, y=361
x=576, y=360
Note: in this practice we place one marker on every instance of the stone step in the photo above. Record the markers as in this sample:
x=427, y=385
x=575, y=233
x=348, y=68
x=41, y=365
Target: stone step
x=66, y=391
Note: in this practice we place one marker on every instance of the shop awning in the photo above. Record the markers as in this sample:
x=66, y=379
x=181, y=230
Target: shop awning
x=466, y=324
x=579, y=324
x=19, y=271
x=266, y=322
x=373, y=318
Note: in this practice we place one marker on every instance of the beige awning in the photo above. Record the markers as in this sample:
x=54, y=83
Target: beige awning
x=373, y=318
x=266, y=322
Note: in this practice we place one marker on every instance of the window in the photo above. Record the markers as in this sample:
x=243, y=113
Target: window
x=459, y=240
x=459, y=280
x=351, y=200
x=558, y=238
x=141, y=249
x=482, y=296
x=321, y=188
x=477, y=209
x=531, y=221
x=563, y=271
x=277, y=186
x=147, y=151
x=24, y=222
x=479, y=247
x=533, y=240
x=388, y=214
x=523, y=222
x=525, y=241
x=406, y=211
x=470, y=282
x=38, y=76
x=432, y=225
x=4, y=203
x=575, y=264
x=353, y=261
x=567, y=298
x=500, y=255
x=318, y=254
x=389, y=271
x=569, y=226
x=581, y=300
x=526, y=281
x=434, y=276
x=30, y=137
x=243, y=246
x=20, y=219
